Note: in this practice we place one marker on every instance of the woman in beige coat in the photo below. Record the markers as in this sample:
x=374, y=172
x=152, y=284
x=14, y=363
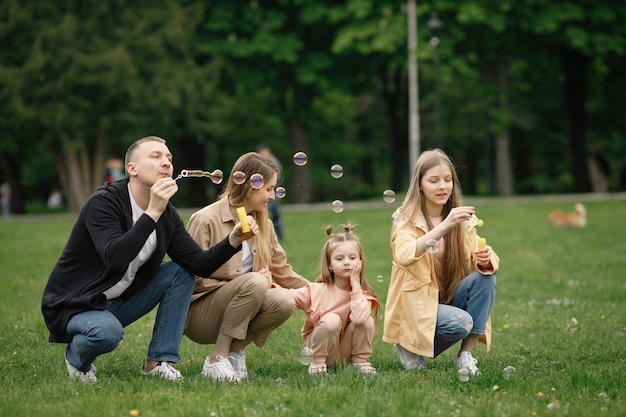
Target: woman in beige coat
x=442, y=285
x=246, y=298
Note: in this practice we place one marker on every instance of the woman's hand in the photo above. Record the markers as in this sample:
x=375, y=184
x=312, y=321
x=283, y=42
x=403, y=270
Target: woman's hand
x=236, y=237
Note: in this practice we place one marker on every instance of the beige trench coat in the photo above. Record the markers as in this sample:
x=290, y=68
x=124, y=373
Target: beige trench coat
x=210, y=225
x=413, y=296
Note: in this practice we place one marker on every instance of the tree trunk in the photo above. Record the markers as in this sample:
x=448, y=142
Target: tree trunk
x=300, y=189
x=504, y=178
x=80, y=171
x=575, y=66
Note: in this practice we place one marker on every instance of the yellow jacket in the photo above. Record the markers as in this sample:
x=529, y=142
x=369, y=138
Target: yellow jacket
x=413, y=296
x=211, y=224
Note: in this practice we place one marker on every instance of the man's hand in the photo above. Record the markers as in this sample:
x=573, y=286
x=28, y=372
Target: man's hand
x=236, y=237
x=160, y=194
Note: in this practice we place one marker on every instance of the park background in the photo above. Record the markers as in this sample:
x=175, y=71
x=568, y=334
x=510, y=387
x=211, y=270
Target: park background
x=521, y=94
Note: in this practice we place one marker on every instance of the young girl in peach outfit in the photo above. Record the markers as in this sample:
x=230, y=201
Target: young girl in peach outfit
x=341, y=307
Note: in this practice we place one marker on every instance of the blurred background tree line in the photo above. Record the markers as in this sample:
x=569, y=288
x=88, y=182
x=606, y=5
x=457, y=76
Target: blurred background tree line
x=522, y=94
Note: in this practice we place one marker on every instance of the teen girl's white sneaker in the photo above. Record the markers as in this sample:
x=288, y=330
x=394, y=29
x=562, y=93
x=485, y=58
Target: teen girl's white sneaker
x=409, y=359
x=467, y=361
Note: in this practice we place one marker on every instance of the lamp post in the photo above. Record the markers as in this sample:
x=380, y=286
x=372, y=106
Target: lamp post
x=435, y=25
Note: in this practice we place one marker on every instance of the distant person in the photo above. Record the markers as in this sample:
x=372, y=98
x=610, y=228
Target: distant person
x=5, y=197
x=599, y=171
x=274, y=205
x=247, y=298
x=111, y=271
x=55, y=200
x=113, y=170
x=339, y=325
x=443, y=295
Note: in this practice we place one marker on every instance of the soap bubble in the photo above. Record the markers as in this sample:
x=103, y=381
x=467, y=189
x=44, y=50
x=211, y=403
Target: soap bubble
x=509, y=372
x=464, y=374
x=300, y=158
x=572, y=325
x=554, y=405
x=379, y=278
x=431, y=246
x=239, y=177
x=336, y=171
x=305, y=356
x=389, y=196
x=280, y=192
x=337, y=206
x=256, y=181
x=217, y=176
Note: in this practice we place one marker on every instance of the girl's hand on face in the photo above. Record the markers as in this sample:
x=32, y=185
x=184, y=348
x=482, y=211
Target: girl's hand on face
x=483, y=256
x=355, y=276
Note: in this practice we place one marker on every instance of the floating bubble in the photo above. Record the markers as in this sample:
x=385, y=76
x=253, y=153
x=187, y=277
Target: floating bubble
x=572, y=325
x=464, y=374
x=336, y=171
x=239, y=177
x=389, y=196
x=217, y=176
x=554, y=405
x=256, y=181
x=305, y=356
x=431, y=246
x=299, y=158
x=280, y=192
x=379, y=278
x=337, y=206
x=509, y=372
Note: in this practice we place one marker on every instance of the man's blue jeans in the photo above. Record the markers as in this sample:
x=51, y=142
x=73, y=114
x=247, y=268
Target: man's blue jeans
x=468, y=312
x=96, y=332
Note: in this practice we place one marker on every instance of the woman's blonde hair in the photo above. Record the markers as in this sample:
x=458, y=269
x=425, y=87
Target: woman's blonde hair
x=333, y=241
x=454, y=267
x=253, y=163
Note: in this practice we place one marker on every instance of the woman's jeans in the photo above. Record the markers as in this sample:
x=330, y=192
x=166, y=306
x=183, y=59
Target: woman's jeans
x=468, y=312
x=96, y=332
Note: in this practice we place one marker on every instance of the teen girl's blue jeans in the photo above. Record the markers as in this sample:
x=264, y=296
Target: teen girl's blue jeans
x=96, y=332
x=468, y=312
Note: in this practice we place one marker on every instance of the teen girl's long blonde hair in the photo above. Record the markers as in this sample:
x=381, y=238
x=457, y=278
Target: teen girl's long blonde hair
x=414, y=204
x=249, y=164
x=327, y=277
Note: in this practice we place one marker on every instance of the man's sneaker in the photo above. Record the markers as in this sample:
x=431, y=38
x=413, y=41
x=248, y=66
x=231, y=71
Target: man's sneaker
x=467, y=361
x=221, y=370
x=409, y=359
x=317, y=368
x=84, y=377
x=364, y=367
x=163, y=370
x=238, y=362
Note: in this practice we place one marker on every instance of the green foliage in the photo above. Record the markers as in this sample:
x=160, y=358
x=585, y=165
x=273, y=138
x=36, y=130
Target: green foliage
x=559, y=319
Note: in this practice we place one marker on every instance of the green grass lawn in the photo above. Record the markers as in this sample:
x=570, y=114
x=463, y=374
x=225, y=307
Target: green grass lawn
x=559, y=320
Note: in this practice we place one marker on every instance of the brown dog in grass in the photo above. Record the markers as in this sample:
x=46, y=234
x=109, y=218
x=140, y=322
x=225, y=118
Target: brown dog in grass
x=576, y=219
